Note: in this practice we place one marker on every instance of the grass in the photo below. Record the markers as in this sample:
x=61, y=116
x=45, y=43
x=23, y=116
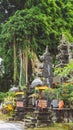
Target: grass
x=58, y=126
x=3, y=117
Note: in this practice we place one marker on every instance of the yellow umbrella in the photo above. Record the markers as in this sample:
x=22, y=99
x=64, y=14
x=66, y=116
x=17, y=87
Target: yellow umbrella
x=17, y=93
x=34, y=95
x=41, y=88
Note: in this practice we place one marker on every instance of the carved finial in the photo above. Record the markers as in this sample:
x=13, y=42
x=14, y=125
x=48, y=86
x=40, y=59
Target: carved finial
x=46, y=49
x=63, y=39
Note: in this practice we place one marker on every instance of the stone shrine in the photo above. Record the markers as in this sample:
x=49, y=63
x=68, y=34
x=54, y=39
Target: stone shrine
x=63, y=55
x=65, y=52
x=46, y=67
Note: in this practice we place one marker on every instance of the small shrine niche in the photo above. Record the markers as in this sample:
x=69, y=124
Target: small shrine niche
x=70, y=51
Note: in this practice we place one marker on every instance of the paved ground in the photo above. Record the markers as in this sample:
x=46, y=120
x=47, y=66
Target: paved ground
x=11, y=125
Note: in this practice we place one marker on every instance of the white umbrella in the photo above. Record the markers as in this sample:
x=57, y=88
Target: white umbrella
x=36, y=82
x=14, y=89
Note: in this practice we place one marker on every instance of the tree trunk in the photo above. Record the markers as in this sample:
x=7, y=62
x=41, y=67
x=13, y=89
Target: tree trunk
x=26, y=63
x=20, y=68
x=15, y=62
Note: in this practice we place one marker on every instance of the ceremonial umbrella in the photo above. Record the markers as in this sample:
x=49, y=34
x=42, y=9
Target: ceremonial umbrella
x=36, y=82
x=13, y=89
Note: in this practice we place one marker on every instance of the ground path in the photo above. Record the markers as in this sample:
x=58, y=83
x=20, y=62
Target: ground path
x=4, y=125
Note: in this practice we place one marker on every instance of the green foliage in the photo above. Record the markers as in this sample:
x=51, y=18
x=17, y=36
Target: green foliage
x=23, y=87
x=5, y=95
x=23, y=80
x=66, y=94
x=2, y=95
x=64, y=72
x=12, y=94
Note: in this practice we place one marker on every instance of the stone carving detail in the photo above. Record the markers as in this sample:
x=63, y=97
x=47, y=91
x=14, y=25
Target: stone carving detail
x=63, y=56
x=65, y=52
x=46, y=67
x=70, y=51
